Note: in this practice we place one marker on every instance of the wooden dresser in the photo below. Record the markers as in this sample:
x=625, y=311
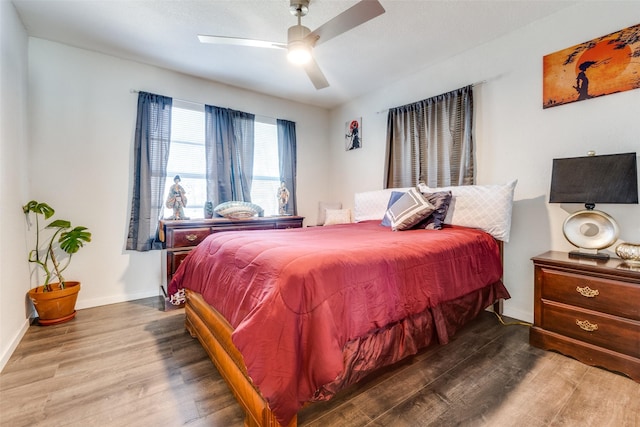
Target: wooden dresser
x=180, y=237
x=589, y=310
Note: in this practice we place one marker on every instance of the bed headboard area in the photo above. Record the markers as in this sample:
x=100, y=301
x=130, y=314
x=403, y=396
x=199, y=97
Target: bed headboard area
x=486, y=207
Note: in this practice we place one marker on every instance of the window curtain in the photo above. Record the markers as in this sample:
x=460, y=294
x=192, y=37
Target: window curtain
x=229, y=141
x=151, y=153
x=288, y=160
x=431, y=141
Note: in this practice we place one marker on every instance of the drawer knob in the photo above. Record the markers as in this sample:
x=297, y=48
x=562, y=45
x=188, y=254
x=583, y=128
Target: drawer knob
x=587, y=292
x=586, y=325
x=191, y=237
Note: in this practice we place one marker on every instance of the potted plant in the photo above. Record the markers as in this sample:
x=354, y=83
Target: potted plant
x=55, y=244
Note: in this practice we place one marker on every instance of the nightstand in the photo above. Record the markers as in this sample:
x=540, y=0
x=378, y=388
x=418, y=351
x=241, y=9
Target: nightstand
x=589, y=310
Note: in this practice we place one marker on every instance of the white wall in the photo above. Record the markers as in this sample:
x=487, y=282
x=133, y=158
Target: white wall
x=82, y=119
x=14, y=273
x=515, y=137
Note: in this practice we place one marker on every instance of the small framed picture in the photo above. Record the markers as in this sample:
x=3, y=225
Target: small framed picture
x=353, y=134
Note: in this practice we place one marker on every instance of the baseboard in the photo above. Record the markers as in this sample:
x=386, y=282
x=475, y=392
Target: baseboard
x=13, y=343
x=97, y=302
x=517, y=314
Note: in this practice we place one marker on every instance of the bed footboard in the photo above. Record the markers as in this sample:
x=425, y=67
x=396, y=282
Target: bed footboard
x=214, y=333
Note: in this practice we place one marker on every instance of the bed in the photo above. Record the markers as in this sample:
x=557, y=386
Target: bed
x=294, y=316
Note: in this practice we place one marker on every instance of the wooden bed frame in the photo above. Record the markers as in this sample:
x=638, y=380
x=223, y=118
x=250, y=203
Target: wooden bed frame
x=214, y=333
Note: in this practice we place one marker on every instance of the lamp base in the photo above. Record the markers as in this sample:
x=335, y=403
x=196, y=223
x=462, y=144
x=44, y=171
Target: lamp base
x=590, y=230
x=597, y=255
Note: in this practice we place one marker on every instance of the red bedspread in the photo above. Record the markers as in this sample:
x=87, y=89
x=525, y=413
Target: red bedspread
x=296, y=297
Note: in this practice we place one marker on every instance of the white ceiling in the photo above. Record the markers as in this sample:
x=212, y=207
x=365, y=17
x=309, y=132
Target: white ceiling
x=410, y=35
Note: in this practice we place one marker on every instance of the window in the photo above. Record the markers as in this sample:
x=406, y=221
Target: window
x=266, y=169
x=187, y=159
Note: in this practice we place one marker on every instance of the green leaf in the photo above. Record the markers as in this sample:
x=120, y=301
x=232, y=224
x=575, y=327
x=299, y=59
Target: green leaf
x=71, y=241
x=39, y=208
x=60, y=223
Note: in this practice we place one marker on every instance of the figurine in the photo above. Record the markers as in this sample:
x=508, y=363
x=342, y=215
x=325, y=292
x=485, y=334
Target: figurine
x=283, y=199
x=176, y=199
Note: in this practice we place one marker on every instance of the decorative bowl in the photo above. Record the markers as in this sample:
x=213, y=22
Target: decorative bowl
x=238, y=210
x=629, y=253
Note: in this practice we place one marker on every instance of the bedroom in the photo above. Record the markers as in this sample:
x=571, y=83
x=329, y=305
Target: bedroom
x=46, y=88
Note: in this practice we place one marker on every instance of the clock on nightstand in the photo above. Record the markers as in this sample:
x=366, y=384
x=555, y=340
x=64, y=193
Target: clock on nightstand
x=589, y=310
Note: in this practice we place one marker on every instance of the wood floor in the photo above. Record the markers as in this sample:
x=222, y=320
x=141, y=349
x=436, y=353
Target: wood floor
x=131, y=364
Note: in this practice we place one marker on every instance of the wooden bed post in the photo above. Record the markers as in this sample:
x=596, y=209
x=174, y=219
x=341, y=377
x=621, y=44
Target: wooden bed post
x=498, y=306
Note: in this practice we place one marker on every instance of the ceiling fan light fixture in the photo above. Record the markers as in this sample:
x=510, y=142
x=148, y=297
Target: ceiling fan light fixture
x=299, y=53
x=299, y=49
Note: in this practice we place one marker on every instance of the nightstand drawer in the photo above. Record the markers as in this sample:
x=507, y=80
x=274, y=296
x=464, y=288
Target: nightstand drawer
x=612, y=332
x=189, y=237
x=604, y=295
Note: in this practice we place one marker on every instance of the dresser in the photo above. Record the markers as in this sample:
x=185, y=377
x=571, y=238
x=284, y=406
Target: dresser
x=589, y=310
x=180, y=237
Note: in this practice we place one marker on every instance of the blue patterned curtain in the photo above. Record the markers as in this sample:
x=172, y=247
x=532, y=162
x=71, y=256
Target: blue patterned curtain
x=288, y=160
x=431, y=141
x=229, y=142
x=151, y=153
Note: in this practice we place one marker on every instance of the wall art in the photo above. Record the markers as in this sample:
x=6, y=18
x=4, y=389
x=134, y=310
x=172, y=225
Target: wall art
x=353, y=134
x=601, y=66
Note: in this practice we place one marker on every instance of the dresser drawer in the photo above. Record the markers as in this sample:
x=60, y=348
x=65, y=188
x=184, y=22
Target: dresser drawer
x=289, y=223
x=188, y=237
x=612, y=332
x=599, y=294
x=174, y=259
x=244, y=227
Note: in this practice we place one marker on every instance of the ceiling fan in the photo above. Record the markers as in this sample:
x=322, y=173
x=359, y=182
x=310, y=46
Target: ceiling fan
x=301, y=40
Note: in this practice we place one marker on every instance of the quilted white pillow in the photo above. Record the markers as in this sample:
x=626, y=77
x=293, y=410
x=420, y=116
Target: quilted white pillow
x=373, y=204
x=487, y=207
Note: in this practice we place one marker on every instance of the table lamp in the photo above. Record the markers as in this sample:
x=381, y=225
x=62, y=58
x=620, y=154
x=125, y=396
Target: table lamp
x=593, y=179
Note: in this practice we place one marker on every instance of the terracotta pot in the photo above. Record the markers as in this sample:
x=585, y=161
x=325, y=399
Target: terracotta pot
x=56, y=306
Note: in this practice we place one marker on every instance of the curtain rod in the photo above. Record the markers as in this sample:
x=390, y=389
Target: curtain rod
x=177, y=99
x=202, y=104
x=472, y=85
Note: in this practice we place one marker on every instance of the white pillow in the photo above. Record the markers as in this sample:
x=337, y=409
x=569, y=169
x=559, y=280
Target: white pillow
x=322, y=210
x=337, y=216
x=373, y=204
x=487, y=207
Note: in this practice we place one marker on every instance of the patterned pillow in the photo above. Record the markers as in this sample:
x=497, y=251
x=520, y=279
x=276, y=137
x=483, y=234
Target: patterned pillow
x=487, y=207
x=238, y=210
x=441, y=200
x=337, y=216
x=395, y=195
x=409, y=210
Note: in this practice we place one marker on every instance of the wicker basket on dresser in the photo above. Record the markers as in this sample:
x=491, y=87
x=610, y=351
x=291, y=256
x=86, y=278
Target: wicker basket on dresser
x=589, y=310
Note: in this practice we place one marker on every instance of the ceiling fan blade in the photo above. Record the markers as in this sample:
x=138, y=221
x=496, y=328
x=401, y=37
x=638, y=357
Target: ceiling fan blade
x=315, y=74
x=350, y=18
x=239, y=41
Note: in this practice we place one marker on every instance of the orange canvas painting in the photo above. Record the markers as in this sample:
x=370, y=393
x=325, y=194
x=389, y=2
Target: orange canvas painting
x=602, y=66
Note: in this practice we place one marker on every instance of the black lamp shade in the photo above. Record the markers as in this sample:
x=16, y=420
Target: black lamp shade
x=595, y=179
